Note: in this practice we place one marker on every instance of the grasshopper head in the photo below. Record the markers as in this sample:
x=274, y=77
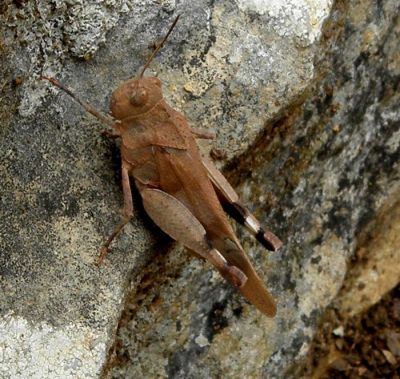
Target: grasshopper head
x=135, y=96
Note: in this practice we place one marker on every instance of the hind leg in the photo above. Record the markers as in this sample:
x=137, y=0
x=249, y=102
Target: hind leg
x=175, y=219
x=230, y=202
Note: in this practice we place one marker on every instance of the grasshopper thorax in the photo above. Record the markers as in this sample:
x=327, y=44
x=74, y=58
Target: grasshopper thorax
x=135, y=97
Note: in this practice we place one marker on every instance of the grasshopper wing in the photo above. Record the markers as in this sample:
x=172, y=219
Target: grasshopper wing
x=183, y=176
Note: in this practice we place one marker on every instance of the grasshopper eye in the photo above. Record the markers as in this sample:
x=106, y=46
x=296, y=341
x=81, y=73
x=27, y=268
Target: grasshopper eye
x=156, y=81
x=138, y=96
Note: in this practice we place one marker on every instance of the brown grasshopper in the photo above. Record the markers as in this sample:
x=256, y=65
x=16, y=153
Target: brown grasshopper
x=182, y=192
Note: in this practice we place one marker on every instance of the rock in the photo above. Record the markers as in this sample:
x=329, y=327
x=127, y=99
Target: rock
x=317, y=174
x=319, y=177
x=376, y=261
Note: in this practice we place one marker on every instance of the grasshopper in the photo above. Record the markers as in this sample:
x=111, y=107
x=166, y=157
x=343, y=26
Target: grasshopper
x=183, y=193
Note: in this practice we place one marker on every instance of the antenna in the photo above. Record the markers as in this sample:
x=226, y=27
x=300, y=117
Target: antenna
x=92, y=110
x=159, y=46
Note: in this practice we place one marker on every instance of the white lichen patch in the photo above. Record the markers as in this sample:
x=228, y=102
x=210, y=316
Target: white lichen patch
x=41, y=350
x=201, y=340
x=49, y=32
x=294, y=18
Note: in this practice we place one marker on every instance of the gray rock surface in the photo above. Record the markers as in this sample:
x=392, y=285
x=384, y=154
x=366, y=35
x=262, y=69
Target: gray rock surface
x=319, y=176
x=315, y=172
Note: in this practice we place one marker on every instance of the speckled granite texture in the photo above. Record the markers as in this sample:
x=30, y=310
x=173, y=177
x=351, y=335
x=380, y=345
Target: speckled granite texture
x=307, y=113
